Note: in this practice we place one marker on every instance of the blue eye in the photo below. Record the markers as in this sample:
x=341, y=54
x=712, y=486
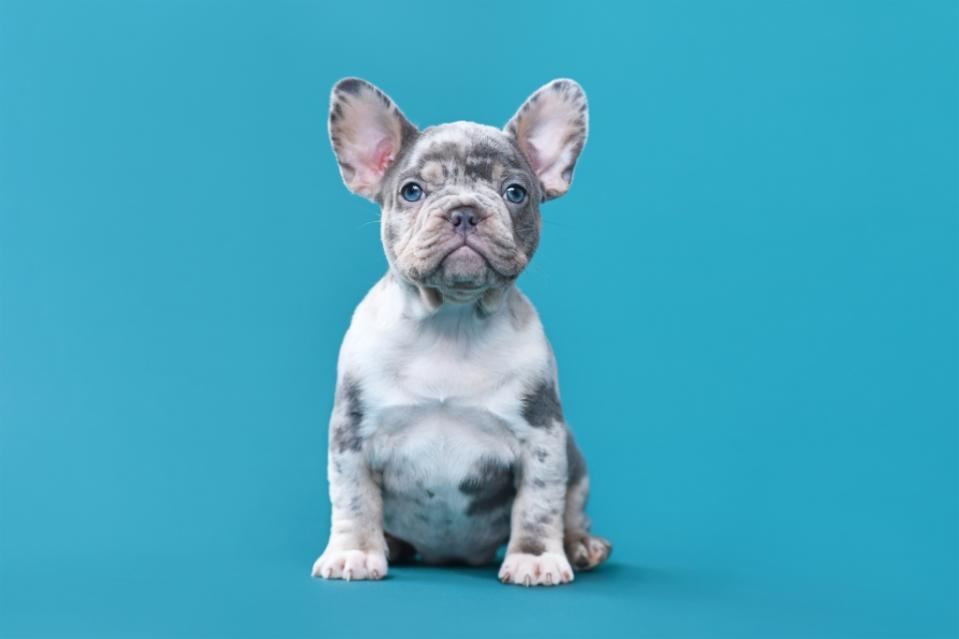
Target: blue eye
x=515, y=193
x=411, y=192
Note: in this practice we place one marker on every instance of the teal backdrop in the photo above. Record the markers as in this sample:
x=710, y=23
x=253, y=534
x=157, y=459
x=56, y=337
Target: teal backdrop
x=751, y=289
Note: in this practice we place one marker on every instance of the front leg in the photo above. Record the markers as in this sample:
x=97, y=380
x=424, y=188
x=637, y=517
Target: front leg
x=535, y=555
x=357, y=545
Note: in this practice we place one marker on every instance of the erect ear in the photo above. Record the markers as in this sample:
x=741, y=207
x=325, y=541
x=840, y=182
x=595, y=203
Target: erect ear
x=551, y=129
x=367, y=131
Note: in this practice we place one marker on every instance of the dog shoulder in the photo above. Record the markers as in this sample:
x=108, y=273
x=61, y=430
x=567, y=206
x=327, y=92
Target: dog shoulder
x=371, y=323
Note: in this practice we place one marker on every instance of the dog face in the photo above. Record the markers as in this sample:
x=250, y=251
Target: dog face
x=460, y=202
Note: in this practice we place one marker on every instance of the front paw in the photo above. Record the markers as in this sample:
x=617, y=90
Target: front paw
x=350, y=565
x=547, y=569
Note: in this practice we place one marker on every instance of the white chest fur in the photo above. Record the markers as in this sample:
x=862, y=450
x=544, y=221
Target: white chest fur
x=406, y=357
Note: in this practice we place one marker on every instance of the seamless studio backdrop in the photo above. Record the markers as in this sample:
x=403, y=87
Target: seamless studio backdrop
x=751, y=289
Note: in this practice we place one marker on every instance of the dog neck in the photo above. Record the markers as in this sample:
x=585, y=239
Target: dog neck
x=421, y=302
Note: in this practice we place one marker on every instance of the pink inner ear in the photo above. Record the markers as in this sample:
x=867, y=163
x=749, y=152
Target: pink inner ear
x=533, y=156
x=382, y=155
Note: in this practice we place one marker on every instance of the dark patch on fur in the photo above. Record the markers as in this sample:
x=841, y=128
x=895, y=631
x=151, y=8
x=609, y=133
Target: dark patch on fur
x=530, y=546
x=541, y=407
x=532, y=527
x=349, y=411
x=336, y=112
x=575, y=464
x=491, y=487
x=352, y=85
x=526, y=225
x=356, y=503
x=441, y=152
x=479, y=169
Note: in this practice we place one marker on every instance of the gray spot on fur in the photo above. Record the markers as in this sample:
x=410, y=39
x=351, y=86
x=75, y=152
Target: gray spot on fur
x=479, y=169
x=349, y=416
x=541, y=407
x=530, y=546
x=575, y=464
x=490, y=486
x=351, y=85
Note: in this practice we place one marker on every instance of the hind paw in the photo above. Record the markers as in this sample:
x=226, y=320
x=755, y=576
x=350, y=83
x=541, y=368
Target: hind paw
x=586, y=551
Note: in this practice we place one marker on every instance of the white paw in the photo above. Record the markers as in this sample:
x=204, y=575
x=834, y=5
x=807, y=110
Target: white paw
x=548, y=569
x=350, y=565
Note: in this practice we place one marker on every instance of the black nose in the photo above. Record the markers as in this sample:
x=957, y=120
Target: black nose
x=464, y=219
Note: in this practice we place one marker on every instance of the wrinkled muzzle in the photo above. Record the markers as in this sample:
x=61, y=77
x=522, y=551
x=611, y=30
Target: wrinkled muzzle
x=459, y=240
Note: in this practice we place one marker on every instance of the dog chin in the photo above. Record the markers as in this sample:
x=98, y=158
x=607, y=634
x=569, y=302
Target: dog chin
x=463, y=273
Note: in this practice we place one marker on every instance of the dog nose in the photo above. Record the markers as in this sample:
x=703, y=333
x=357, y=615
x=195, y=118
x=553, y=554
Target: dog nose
x=464, y=219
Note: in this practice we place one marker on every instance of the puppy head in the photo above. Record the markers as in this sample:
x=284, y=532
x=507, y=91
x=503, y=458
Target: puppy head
x=460, y=202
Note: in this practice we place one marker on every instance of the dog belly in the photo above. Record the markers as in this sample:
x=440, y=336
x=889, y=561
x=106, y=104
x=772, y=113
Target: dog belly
x=447, y=481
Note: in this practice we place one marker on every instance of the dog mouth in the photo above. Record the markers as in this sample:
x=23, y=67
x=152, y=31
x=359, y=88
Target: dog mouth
x=464, y=268
x=465, y=251
x=467, y=265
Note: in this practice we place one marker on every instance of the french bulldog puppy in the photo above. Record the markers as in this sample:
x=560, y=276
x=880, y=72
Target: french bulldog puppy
x=447, y=437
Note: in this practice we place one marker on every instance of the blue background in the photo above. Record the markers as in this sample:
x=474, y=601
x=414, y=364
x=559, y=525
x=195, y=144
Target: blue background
x=751, y=289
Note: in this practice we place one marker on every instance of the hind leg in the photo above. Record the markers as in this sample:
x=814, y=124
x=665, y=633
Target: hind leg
x=584, y=550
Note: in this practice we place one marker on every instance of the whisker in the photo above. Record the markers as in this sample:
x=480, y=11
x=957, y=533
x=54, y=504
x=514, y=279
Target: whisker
x=365, y=224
